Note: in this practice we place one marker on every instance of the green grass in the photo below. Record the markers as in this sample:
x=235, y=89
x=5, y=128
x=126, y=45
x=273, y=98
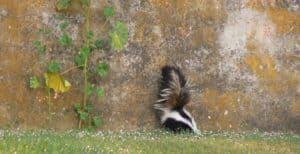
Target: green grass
x=145, y=142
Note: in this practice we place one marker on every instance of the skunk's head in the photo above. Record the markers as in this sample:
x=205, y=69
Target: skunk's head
x=179, y=120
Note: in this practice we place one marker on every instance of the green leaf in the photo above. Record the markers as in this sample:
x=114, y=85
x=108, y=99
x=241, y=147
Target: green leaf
x=90, y=35
x=99, y=43
x=119, y=36
x=54, y=67
x=64, y=25
x=100, y=92
x=102, y=69
x=34, y=82
x=80, y=60
x=86, y=3
x=83, y=115
x=40, y=46
x=85, y=51
x=65, y=40
x=77, y=107
x=89, y=108
x=63, y=4
x=97, y=121
x=83, y=56
x=89, y=89
x=57, y=82
x=109, y=12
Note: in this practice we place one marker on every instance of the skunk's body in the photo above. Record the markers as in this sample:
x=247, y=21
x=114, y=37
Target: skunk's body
x=174, y=95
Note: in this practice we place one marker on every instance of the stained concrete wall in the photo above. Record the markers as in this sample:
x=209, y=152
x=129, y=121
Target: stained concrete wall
x=241, y=56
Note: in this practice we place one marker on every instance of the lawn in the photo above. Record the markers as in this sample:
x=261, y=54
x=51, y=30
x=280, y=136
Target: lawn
x=146, y=142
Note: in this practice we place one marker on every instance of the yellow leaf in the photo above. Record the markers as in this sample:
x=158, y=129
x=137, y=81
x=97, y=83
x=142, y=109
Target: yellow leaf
x=57, y=82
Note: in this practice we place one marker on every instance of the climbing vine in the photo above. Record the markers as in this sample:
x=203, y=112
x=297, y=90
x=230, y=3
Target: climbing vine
x=53, y=79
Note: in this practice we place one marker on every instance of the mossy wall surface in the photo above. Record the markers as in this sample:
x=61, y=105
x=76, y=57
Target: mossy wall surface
x=243, y=58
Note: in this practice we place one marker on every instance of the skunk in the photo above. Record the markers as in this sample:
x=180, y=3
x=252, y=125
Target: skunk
x=173, y=96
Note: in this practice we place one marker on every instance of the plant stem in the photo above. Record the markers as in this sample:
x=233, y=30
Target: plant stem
x=49, y=104
x=85, y=83
x=70, y=69
x=79, y=124
x=102, y=27
x=87, y=44
x=49, y=101
x=85, y=67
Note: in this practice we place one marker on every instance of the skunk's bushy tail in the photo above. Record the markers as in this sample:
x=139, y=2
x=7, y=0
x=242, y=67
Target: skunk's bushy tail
x=174, y=89
x=173, y=96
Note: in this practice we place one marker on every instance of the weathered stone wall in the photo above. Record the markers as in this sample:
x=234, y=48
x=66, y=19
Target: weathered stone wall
x=242, y=57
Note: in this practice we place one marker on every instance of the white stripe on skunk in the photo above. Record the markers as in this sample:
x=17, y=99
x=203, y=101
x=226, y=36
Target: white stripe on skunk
x=174, y=95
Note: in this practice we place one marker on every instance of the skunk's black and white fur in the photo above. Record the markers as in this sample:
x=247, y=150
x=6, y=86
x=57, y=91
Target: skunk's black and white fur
x=173, y=96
